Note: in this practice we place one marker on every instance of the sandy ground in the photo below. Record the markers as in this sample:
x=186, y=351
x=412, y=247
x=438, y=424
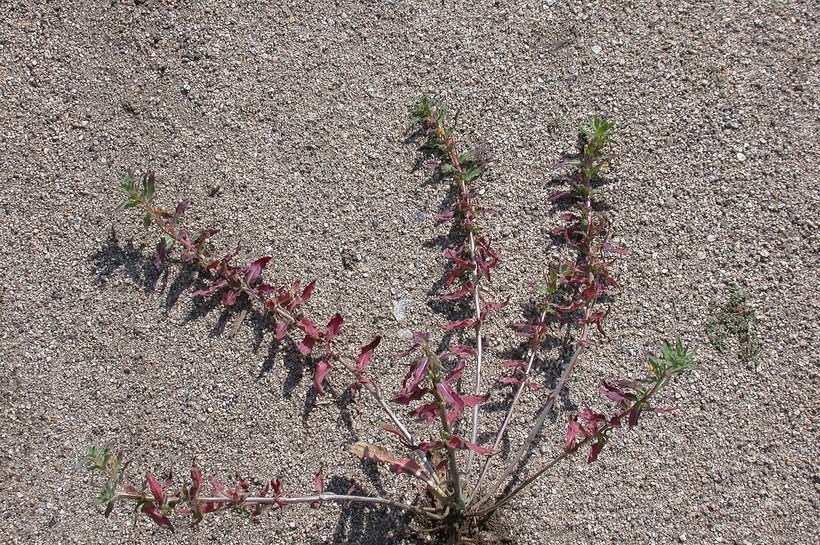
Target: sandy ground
x=288, y=127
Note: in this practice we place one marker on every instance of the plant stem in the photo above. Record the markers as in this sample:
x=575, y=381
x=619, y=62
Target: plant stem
x=533, y=349
x=455, y=478
x=373, y=388
x=542, y=417
x=566, y=453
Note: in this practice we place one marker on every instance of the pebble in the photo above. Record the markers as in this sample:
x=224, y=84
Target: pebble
x=741, y=156
x=711, y=238
x=400, y=309
x=597, y=49
x=701, y=255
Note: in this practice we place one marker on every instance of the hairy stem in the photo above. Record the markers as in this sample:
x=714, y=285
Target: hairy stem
x=532, y=351
x=542, y=417
x=566, y=453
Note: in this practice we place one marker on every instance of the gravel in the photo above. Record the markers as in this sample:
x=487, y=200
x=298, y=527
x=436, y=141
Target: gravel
x=288, y=126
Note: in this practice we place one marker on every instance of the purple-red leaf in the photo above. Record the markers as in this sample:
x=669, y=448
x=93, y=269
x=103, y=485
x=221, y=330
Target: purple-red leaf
x=334, y=326
x=366, y=355
x=575, y=433
x=478, y=449
x=458, y=324
x=157, y=516
x=309, y=328
x=610, y=391
x=306, y=346
x=182, y=206
x=596, y=450
x=209, y=290
x=196, y=482
x=255, y=269
x=156, y=489
x=465, y=290
x=319, y=482
x=230, y=297
x=281, y=330
x=308, y=291
x=322, y=370
x=473, y=400
x=462, y=351
x=160, y=254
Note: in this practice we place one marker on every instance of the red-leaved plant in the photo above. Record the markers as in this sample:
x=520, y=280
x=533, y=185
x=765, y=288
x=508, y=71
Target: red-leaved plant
x=444, y=463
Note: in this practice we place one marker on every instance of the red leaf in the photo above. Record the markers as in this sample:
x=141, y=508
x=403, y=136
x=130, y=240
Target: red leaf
x=160, y=254
x=182, y=206
x=466, y=289
x=514, y=363
x=462, y=351
x=456, y=373
x=319, y=482
x=306, y=346
x=461, y=323
x=366, y=355
x=308, y=291
x=309, y=328
x=322, y=370
x=472, y=401
x=255, y=269
x=596, y=450
x=196, y=478
x=509, y=380
x=428, y=412
x=574, y=434
x=409, y=467
x=478, y=449
x=612, y=392
x=334, y=326
x=230, y=297
x=393, y=429
x=156, y=489
x=450, y=396
x=157, y=516
x=281, y=330
x=213, y=288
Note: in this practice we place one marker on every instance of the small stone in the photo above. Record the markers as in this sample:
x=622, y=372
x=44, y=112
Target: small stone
x=682, y=538
x=400, y=309
x=764, y=254
x=404, y=334
x=741, y=156
x=711, y=238
x=701, y=255
x=597, y=49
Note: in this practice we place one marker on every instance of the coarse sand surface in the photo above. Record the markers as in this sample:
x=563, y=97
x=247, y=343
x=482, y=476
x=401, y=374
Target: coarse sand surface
x=288, y=125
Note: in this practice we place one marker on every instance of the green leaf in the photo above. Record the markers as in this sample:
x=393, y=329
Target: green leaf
x=169, y=241
x=146, y=221
x=472, y=174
